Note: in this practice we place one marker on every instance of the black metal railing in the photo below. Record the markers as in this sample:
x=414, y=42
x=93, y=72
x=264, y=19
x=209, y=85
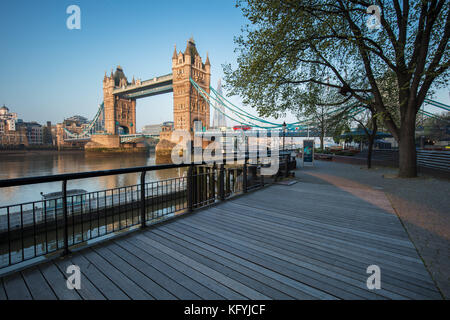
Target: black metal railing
x=37, y=228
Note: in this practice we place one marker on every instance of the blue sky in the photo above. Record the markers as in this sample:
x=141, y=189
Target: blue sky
x=49, y=72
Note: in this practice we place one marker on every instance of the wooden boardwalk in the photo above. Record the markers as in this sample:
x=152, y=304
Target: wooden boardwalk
x=304, y=241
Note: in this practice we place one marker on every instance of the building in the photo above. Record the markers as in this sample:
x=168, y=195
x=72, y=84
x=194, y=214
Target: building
x=49, y=134
x=219, y=120
x=78, y=120
x=155, y=129
x=190, y=109
x=152, y=129
x=10, y=133
x=34, y=132
x=7, y=120
x=16, y=132
x=75, y=124
x=6, y=115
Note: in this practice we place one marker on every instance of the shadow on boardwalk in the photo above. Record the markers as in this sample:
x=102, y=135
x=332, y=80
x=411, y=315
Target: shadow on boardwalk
x=303, y=241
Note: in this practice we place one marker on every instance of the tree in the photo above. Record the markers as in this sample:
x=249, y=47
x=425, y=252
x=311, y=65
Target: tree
x=368, y=122
x=287, y=41
x=316, y=104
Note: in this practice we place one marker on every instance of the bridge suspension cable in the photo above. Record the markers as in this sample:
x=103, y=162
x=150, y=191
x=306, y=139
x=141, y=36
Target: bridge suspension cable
x=437, y=104
x=245, y=117
x=249, y=119
x=208, y=99
x=97, y=124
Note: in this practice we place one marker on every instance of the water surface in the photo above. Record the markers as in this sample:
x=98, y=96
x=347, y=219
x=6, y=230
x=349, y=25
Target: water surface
x=29, y=164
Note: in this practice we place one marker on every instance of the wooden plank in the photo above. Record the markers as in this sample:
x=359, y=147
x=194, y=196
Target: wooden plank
x=293, y=231
x=336, y=216
x=120, y=279
x=15, y=287
x=328, y=200
x=293, y=263
x=234, y=262
x=38, y=286
x=186, y=285
x=218, y=282
x=410, y=291
x=324, y=284
x=277, y=213
x=138, y=261
x=247, y=261
x=87, y=291
x=359, y=251
x=264, y=216
x=389, y=258
x=277, y=238
x=98, y=279
x=57, y=281
x=152, y=288
x=223, y=268
x=262, y=222
x=321, y=277
x=214, y=290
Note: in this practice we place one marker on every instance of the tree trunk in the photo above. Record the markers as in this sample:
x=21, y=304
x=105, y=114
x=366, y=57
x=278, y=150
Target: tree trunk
x=407, y=148
x=371, y=141
x=321, y=142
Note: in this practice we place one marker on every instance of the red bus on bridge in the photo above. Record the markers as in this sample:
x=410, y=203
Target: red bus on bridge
x=245, y=128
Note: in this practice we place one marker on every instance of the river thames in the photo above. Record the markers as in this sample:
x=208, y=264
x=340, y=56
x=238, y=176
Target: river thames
x=40, y=163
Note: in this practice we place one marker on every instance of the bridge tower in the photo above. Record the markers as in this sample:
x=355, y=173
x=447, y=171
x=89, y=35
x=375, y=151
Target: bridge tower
x=188, y=105
x=120, y=113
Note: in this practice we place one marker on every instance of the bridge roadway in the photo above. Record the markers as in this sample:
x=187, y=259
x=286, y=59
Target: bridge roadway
x=300, y=241
x=147, y=88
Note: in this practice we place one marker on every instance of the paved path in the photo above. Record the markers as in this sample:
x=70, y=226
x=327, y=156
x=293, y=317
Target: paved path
x=303, y=241
x=422, y=203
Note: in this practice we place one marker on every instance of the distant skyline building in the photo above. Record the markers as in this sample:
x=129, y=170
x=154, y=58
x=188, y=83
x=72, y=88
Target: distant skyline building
x=77, y=119
x=219, y=119
x=34, y=132
x=155, y=129
x=8, y=119
x=11, y=134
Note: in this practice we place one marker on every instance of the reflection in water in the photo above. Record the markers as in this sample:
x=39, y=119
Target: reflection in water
x=40, y=164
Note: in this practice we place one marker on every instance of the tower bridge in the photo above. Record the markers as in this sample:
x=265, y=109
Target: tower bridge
x=115, y=123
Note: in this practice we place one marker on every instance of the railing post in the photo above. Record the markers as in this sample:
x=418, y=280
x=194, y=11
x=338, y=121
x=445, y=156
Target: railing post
x=66, y=220
x=221, y=183
x=190, y=185
x=244, y=176
x=261, y=175
x=213, y=182
x=286, y=173
x=143, y=200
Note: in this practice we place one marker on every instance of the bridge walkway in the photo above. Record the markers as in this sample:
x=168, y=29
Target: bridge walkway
x=300, y=241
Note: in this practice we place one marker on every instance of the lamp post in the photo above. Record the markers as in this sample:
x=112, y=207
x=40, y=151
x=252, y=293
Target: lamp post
x=284, y=132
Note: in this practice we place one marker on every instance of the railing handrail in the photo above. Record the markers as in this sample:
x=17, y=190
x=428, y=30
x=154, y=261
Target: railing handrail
x=83, y=175
x=101, y=173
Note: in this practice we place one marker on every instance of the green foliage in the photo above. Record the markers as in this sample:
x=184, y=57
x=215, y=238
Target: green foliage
x=291, y=45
